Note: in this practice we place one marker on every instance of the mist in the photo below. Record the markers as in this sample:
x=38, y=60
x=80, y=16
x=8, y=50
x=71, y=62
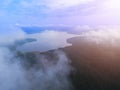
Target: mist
x=93, y=53
x=98, y=52
x=46, y=40
x=46, y=73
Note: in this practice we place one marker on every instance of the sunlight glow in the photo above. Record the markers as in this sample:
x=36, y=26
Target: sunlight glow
x=112, y=4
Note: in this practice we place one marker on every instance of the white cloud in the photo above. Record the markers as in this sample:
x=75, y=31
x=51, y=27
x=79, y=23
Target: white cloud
x=106, y=35
x=52, y=4
x=45, y=74
x=66, y=3
x=65, y=11
x=47, y=40
x=9, y=34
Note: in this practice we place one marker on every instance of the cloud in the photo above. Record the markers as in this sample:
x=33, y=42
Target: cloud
x=72, y=12
x=46, y=74
x=51, y=73
x=66, y=3
x=47, y=40
x=104, y=12
x=53, y=5
x=106, y=35
x=41, y=7
x=14, y=75
x=9, y=34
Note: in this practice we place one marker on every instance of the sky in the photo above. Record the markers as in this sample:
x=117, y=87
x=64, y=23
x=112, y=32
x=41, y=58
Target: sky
x=67, y=12
x=75, y=13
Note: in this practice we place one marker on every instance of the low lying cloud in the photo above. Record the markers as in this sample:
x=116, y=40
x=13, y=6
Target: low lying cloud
x=47, y=40
x=98, y=47
x=97, y=50
x=52, y=74
x=107, y=35
x=12, y=74
x=47, y=73
x=9, y=34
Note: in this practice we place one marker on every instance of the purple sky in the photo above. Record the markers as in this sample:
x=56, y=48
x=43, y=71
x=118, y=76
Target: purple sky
x=68, y=12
